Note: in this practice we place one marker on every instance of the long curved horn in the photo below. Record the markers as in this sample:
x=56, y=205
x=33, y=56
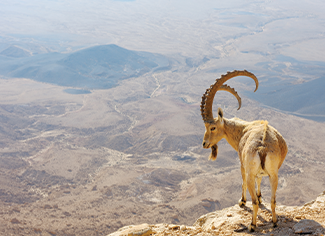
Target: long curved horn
x=225, y=87
x=207, y=98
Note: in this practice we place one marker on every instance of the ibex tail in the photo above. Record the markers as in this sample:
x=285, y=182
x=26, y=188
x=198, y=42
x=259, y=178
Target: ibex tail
x=262, y=149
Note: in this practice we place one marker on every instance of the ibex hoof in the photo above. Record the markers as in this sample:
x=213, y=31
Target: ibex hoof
x=275, y=224
x=260, y=200
x=241, y=203
x=251, y=227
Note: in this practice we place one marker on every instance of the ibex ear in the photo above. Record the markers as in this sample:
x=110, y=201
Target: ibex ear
x=220, y=114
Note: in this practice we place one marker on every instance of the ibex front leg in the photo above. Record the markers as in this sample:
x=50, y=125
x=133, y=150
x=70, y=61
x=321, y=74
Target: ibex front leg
x=242, y=201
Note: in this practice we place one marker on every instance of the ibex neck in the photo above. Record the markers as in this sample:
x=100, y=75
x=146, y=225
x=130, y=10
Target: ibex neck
x=234, y=130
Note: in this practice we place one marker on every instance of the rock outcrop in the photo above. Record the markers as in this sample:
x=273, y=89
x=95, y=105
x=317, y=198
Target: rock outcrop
x=308, y=219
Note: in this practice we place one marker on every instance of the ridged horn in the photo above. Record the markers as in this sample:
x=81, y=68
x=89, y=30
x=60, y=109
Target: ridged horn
x=208, y=96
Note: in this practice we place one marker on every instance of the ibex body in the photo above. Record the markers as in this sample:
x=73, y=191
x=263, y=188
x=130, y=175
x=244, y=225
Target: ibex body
x=260, y=147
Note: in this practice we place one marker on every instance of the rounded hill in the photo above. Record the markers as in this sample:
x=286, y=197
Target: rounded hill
x=98, y=67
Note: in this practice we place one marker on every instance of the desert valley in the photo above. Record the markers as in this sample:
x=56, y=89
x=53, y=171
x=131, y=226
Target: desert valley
x=97, y=135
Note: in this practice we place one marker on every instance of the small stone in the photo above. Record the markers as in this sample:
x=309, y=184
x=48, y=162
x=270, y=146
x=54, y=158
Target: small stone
x=213, y=227
x=66, y=213
x=15, y=221
x=16, y=210
x=306, y=227
x=47, y=206
x=206, y=204
x=229, y=215
x=183, y=227
x=298, y=217
x=174, y=227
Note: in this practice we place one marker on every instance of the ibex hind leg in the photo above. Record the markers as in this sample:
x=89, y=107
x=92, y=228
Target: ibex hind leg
x=274, y=186
x=252, y=192
x=259, y=194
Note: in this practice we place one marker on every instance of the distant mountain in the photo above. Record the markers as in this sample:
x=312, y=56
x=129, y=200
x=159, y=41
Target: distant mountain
x=98, y=67
x=305, y=99
x=16, y=51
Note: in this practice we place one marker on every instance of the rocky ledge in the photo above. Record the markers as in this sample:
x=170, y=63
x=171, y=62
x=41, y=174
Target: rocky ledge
x=308, y=219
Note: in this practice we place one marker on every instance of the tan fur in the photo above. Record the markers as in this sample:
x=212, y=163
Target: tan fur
x=260, y=147
x=261, y=150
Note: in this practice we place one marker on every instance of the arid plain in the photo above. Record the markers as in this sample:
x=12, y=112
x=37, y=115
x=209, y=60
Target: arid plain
x=89, y=164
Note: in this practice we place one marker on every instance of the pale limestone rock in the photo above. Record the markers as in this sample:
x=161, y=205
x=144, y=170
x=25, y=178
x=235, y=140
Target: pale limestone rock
x=319, y=201
x=131, y=230
x=159, y=228
x=219, y=218
x=234, y=220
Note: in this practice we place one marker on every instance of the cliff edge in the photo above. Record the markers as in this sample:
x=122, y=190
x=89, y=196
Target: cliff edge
x=308, y=219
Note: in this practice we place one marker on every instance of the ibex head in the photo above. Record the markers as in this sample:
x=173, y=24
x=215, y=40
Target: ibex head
x=214, y=127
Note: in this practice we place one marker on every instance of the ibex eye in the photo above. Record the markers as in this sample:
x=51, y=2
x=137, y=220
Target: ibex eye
x=213, y=128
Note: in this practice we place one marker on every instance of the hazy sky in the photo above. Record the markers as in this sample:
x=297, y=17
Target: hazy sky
x=183, y=26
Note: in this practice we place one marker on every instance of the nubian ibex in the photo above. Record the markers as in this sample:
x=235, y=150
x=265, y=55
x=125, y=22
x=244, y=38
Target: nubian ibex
x=260, y=147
